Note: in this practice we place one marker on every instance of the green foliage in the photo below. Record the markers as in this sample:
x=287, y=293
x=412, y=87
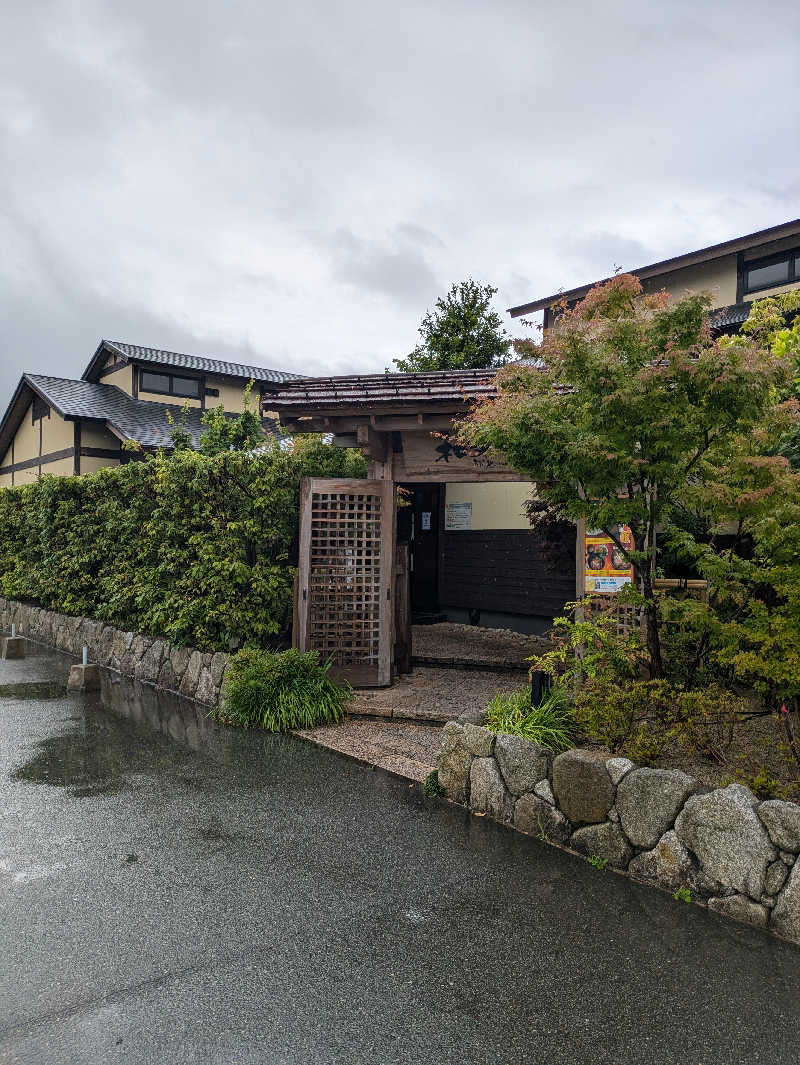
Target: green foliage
x=550, y=724
x=683, y=894
x=199, y=550
x=223, y=433
x=431, y=787
x=597, y=862
x=463, y=333
x=179, y=435
x=278, y=692
x=629, y=411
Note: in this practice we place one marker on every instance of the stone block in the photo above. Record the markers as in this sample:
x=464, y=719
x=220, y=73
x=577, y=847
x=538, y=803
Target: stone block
x=740, y=908
x=606, y=841
x=544, y=791
x=166, y=676
x=487, y=790
x=473, y=717
x=12, y=647
x=207, y=691
x=149, y=665
x=582, y=787
x=782, y=822
x=776, y=876
x=523, y=763
x=84, y=678
x=480, y=741
x=539, y=818
x=670, y=865
x=618, y=767
x=721, y=828
x=649, y=800
x=192, y=675
x=218, y=663
x=786, y=914
x=454, y=762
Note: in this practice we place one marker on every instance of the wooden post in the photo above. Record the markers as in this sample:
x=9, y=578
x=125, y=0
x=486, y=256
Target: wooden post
x=402, y=610
x=295, y=633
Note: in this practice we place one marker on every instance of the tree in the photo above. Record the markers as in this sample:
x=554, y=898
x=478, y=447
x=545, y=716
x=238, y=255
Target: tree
x=629, y=407
x=242, y=433
x=464, y=332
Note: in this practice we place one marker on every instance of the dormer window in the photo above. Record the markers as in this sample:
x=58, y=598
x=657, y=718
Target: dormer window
x=169, y=384
x=770, y=272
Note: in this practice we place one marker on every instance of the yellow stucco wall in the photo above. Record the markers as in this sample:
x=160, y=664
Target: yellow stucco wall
x=122, y=378
x=495, y=504
x=717, y=277
x=97, y=436
x=231, y=395
x=91, y=464
x=26, y=441
x=56, y=433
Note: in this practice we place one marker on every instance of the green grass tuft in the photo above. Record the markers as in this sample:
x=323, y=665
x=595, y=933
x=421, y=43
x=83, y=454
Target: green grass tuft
x=278, y=692
x=550, y=724
x=431, y=786
x=597, y=862
x=683, y=894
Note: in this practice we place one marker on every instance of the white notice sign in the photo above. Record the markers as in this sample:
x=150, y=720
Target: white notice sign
x=426, y=520
x=457, y=516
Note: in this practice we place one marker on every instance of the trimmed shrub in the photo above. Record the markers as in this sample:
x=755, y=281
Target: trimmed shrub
x=199, y=550
x=278, y=692
x=550, y=724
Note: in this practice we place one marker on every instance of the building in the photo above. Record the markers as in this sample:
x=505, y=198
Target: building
x=735, y=272
x=126, y=393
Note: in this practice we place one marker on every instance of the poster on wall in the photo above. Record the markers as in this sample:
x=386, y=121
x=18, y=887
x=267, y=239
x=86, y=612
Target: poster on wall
x=605, y=568
x=457, y=516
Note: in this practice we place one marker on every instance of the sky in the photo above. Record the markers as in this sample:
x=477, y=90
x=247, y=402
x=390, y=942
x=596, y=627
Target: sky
x=293, y=184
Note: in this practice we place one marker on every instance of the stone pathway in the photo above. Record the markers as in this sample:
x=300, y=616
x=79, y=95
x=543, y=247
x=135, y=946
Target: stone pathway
x=402, y=747
x=449, y=644
x=435, y=695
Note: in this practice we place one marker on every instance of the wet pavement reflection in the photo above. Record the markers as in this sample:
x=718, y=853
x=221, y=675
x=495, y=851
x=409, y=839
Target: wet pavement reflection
x=172, y=891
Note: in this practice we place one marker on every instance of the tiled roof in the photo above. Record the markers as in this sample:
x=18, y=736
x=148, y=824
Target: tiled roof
x=399, y=389
x=733, y=314
x=131, y=419
x=198, y=362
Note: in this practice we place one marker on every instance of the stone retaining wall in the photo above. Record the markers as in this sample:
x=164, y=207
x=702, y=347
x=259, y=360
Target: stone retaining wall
x=733, y=853
x=194, y=674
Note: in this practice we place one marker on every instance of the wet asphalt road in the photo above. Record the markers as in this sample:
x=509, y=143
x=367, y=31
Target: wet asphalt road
x=262, y=900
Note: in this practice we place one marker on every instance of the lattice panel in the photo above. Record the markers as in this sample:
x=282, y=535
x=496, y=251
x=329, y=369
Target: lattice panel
x=345, y=577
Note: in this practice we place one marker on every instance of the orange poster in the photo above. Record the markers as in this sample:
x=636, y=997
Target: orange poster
x=605, y=568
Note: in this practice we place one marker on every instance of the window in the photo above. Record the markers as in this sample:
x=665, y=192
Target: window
x=167, y=384
x=777, y=270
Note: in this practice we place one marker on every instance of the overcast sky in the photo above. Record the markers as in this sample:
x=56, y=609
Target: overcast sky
x=294, y=183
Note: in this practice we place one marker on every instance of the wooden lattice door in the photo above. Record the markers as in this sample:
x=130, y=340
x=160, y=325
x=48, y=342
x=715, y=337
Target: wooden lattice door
x=345, y=607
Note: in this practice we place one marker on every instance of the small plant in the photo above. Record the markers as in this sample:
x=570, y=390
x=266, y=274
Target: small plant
x=683, y=894
x=431, y=786
x=550, y=724
x=278, y=692
x=597, y=862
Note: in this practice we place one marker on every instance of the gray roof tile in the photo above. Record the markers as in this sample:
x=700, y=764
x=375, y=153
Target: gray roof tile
x=132, y=419
x=198, y=362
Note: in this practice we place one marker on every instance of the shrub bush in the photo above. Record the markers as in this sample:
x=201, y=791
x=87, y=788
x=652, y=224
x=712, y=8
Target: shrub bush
x=551, y=724
x=280, y=691
x=200, y=550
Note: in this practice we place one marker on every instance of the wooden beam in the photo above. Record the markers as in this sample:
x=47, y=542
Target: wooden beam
x=372, y=444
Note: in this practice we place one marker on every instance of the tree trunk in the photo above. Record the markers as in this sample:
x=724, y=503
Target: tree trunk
x=652, y=636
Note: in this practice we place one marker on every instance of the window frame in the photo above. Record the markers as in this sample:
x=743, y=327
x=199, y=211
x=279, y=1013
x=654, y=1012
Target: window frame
x=170, y=391
x=791, y=256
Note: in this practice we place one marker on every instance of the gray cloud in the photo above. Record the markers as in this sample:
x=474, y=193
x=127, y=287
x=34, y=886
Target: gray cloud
x=295, y=184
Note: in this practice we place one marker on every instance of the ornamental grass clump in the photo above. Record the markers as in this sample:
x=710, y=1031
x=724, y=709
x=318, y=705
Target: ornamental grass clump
x=281, y=691
x=551, y=724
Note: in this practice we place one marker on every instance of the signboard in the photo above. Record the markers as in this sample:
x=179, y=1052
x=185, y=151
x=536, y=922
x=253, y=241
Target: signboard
x=426, y=520
x=605, y=569
x=457, y=516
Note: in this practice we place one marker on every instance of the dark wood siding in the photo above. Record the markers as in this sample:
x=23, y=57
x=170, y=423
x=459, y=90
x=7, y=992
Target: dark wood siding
x=513, y=572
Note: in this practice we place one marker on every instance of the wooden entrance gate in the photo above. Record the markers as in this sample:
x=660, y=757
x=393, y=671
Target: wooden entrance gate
x=345, y=598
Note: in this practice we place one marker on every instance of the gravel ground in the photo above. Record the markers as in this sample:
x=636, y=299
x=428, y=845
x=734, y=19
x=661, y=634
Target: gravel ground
x=402, y=747
x=468, y=644
x=430, y=694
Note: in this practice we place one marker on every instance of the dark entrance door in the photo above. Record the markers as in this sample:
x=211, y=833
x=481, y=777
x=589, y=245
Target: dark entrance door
x=424, y=547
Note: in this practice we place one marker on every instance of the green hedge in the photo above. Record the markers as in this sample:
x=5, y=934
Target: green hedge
x=199, y=550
